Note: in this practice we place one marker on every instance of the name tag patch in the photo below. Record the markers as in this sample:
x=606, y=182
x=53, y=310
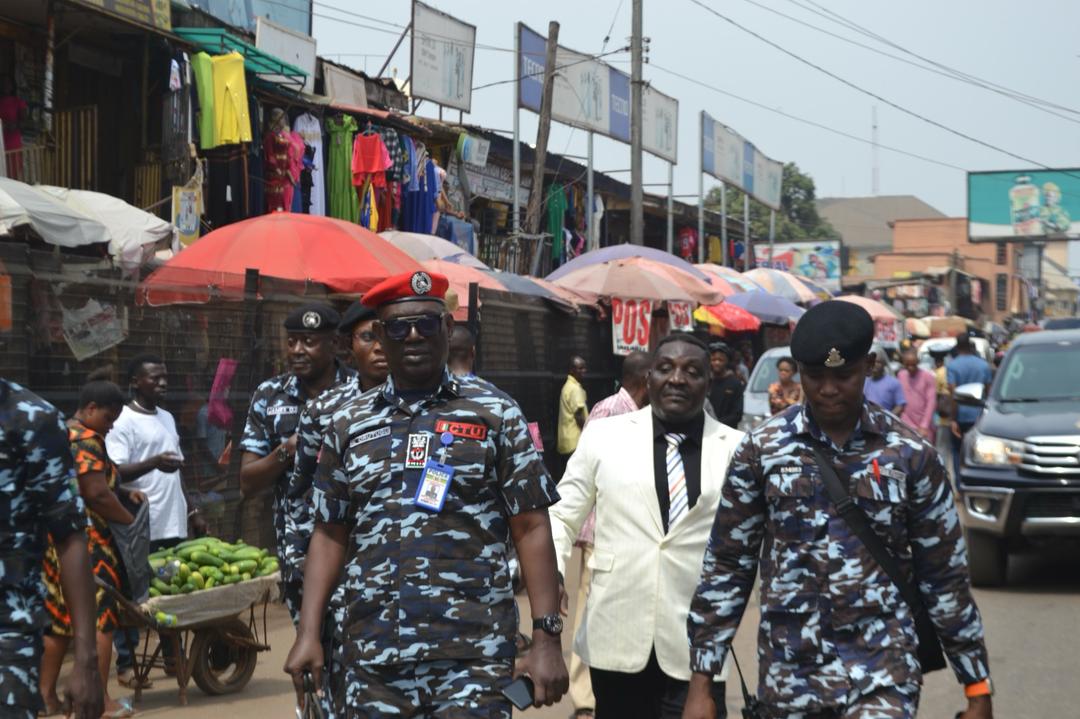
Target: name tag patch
x=893, y=473
x=282, y=409
x=791, y=470
x=434, y=486
x=370, y=435
x=417, y=450
x=467, y=430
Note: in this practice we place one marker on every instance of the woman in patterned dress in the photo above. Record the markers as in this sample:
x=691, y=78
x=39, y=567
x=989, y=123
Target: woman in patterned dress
x=100, y=404
x=785, y=392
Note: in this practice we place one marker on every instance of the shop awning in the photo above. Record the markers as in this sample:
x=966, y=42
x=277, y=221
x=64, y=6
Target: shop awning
x=262, y=64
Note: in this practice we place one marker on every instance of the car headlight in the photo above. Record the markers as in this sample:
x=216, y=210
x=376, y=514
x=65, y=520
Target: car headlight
x=993, y=451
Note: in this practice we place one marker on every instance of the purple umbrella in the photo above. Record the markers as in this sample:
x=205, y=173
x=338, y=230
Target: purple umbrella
x=621, y=252
x=767, y=307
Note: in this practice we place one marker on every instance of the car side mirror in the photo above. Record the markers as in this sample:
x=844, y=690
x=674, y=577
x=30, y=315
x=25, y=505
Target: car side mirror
x=971, y=394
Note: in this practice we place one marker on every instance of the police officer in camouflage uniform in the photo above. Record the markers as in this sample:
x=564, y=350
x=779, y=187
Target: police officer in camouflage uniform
x=38, y=495
x=426, y=480
x=372, y=370
x=836, y=639
x=269, y=441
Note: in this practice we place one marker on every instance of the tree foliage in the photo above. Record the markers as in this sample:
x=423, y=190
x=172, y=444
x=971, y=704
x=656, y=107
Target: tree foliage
x=798, y=219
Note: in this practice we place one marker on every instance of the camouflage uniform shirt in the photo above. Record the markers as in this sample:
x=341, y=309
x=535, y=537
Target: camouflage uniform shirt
x=272, y=419
x=37, y=495
x=833, y=625
x=423, y=585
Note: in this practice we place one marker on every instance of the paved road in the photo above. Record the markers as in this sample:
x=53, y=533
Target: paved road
x=1031, y=625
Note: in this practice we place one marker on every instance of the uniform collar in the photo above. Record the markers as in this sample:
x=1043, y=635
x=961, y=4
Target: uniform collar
x=341, y=375
x=870, y=421
x=449, y=387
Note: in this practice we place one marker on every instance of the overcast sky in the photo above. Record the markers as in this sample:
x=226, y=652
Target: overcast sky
x=1032, y=47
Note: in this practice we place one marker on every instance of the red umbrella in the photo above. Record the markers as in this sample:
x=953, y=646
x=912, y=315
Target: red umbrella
x=460, y=277
x=732, y=317
x=297, y=248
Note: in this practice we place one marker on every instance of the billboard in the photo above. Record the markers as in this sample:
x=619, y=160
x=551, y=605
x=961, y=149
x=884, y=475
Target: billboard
x=1035, y=205
x=728, y=156
x=443, y=48
x=817, y=261
x=288, y=46
x=243, y=14
x=592, y=95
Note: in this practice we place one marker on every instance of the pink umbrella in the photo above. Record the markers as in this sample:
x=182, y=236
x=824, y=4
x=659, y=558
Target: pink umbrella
x=575, y=297
x=879, y=311
x=461, y=276
x=422, y=247
x=781, y=283
x=727, y=280
x=624, y=252
x=642, y=279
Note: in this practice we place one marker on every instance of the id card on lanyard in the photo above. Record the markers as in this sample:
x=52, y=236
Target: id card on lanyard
x=436, y=479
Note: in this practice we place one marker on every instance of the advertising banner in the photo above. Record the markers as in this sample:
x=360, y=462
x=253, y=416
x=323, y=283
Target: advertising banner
x=1032, y=205
x=343, y=86
x=592, y=95
x=288, y=46
x=293, y=14
x=818, y=261
x=94, y=328
x=680, y=316
x=443, y=48
x=630, y=324
x=186, y=210
x=728, y=156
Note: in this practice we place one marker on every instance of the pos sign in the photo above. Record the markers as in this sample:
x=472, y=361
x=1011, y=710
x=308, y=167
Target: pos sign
x=630, y=324
x=680, y=317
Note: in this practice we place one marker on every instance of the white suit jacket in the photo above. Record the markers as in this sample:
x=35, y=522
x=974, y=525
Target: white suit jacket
x=642, y=579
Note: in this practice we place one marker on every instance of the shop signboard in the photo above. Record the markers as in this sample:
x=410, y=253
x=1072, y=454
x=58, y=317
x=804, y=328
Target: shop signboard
x=728, y=156
x=1024, y=205
x=495, y=182
x=152, y=13
x=817, y=261
x=592, y=95
x=443, y=49
x=343, y=86
x=289, y=46
x=474, y=150
x=630, y=325
x=186, y=210
x=92, y=329
x=680, y=317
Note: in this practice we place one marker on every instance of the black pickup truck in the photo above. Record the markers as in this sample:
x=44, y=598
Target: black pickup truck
x=1019, y=483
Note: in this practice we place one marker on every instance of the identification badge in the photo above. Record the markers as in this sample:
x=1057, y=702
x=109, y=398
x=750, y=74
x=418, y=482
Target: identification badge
x=417, y=451
x=434, y=486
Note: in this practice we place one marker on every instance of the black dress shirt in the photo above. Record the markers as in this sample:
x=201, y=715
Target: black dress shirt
x=690, y=450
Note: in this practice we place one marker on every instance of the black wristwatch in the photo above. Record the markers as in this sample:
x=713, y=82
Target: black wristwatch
x=550, y=623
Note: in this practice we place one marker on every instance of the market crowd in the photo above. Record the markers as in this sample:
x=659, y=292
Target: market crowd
x=412, y=502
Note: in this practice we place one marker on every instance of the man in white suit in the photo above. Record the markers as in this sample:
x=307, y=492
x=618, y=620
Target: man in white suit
x=654, y=476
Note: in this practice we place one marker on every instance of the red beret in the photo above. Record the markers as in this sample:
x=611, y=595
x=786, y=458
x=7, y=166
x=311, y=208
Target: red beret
x=407, y=286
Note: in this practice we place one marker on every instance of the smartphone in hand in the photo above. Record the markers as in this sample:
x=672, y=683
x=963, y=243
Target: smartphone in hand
x=520, y=692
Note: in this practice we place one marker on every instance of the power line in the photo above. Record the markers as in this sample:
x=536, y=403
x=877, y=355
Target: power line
x=803, y=120
x=952, y=75
x=870, y=93
x=612, y=26
x=832, y=16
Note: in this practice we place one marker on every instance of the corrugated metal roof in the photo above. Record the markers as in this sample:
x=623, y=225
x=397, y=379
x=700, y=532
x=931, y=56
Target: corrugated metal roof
x=863, y=222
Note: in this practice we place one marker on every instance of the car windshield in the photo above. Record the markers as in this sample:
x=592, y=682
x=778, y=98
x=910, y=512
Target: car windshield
x=1041, y=372
x=765, y=374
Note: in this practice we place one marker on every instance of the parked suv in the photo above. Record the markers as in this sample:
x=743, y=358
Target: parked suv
x=1019, y=483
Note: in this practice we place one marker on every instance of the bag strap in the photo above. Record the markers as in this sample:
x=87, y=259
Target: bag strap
x=857, y=520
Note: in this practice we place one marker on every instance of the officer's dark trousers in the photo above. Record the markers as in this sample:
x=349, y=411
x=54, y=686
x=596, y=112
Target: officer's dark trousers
x=648, y=694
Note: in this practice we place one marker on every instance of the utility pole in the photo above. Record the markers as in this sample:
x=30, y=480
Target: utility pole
x=637, y=198
x=536, y=194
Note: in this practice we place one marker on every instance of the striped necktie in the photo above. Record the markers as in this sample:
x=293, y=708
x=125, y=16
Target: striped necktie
x=678, y=501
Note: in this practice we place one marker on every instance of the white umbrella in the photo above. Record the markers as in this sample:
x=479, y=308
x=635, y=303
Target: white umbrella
x=132, y=229
x=24, y=205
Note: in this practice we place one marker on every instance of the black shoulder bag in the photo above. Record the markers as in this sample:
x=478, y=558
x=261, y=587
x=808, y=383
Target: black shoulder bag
x=930, y=655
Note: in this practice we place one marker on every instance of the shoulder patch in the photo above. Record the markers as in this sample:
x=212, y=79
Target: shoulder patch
x=468, y=430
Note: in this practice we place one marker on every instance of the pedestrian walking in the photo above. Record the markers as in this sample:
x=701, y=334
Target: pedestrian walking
x=357, y=324
x=426, y=481
x=838, y=635
x=654, y=476
x=270, y=441
x=920, y=390
x=38, y=479
x=145, y=446
x=573, y=412
x=882, y=388
x=726, y=391
x=100, y=404
x=964, y=368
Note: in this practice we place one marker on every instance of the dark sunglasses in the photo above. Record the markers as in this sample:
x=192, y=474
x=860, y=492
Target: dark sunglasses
x=399, y=328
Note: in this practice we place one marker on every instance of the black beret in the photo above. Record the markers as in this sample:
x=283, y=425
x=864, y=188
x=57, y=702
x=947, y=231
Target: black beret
x=832, y=334
x=353, y=316
x=313, y=317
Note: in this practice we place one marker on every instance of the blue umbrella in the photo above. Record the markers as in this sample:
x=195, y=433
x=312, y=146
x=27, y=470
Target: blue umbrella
x=622, y=252
x=767, y=307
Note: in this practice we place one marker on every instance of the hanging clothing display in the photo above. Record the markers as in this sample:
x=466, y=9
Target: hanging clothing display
x=232, y=123
x=310, y=130
x=296, y=167
x=418, y=206
x=204, y=86
x=370, y=159
x=343, y=202
x=278, y=163
x=369, y=210
x=556, y=204
x=227, y=192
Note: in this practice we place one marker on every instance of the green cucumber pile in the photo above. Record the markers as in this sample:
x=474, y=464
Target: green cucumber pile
x=205, y=563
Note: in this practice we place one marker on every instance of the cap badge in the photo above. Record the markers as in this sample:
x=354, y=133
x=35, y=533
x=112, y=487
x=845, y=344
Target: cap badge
x=834, y=359
x=311, y=320
x=421, y=283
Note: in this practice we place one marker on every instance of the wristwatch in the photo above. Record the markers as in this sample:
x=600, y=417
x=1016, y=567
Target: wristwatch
x=550, y=623
x=283, y=453
x=979, y=689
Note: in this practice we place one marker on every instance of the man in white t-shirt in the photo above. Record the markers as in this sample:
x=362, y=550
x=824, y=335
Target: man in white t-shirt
x=146, y=449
